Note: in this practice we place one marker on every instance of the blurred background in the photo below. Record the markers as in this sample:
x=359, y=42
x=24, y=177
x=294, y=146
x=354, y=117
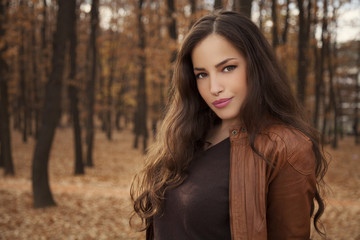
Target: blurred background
x=83, y=85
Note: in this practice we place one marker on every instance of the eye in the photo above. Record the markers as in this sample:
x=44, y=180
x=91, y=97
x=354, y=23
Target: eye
x=229, y=68
x=200, y=75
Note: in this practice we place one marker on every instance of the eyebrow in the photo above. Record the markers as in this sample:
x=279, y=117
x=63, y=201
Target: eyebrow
x=216, y=65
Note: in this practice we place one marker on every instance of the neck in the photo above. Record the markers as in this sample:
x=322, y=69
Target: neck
x=220, y=131
x=225, y=125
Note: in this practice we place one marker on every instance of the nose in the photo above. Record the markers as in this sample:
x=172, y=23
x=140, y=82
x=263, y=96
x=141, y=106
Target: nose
x=215, y=86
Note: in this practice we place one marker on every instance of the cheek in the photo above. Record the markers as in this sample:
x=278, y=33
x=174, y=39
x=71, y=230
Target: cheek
x=241, y=85
x=244, y=92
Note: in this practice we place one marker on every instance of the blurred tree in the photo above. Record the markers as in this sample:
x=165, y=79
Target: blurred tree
x=357, y=100
x=218, y=4
x=1, y=155
x=193, y=9
x=90, y=132
x=36, y=80
x=171, y=13
x=102, y=93
x=73, y=89
x=261, y=17
x=332, y=69
x=112, y=62
x=122, y=107
x=332, y=100
x=140, y=118
x=44, y=47
x=156, y=75
x=5, y=135
x=324, y=39
x=317, y=69
x=303, y=39
x=275, y=37
x=40, y=180
x=243, y=6
x=286, y=24
x=23, y=97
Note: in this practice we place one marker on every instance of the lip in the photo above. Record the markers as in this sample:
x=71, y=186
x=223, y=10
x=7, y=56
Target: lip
x=222, y=102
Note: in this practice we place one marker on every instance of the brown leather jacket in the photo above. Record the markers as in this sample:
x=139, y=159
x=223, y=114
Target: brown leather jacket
x=270, y=201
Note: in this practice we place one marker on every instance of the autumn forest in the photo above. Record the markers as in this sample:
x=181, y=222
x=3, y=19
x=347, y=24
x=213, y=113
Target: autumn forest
x=100, y=70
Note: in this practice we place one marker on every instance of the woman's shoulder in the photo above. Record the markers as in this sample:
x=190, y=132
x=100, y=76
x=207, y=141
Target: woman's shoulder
x=289, y=135
x=293, y=145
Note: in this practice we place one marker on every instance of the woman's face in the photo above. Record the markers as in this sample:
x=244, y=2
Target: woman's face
x=220, y=71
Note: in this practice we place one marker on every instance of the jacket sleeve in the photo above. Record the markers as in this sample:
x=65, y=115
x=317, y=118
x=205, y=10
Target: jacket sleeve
x=290, y=196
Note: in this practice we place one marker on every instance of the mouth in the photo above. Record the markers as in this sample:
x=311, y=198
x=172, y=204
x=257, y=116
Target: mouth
x=222, y=102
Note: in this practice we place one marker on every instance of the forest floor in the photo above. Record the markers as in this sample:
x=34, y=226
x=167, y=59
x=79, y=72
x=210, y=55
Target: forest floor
x=97, y=204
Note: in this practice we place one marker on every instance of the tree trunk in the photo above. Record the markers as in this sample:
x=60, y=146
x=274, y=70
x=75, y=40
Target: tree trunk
x=23, y=85
x=340, y=113
x=171, y=17
x=44, y=45
x=217, y=4
x=193, y=10
x=120, y=103
x=261, y=17
x=357, y=102
x=324, y=35
x=51, y=111
x=112, y=64
x=333, y=102
x=275, y=38
x=356, y=118
x=5, y=135
x=318, y=86
x=35, y=79
x=44, y=68
x=332, y=66
x=173, y=36
x=16, y=115
x=302, y=47
x=140, y=128
x=243, y=6
x=73, y=92
x=91, y=86
x=1, y=155
x=318, y=74
x=286, y=24
x=102, y=96
x=171, y=27
x=308, y=22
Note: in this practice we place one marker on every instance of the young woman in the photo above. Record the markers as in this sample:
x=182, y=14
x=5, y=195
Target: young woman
x=234, y=158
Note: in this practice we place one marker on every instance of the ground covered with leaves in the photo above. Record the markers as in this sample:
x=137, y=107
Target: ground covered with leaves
x=97, y=204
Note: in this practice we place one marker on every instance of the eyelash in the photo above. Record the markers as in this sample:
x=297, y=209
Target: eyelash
x=232, y=67
x=229, y=69
x=198, y=76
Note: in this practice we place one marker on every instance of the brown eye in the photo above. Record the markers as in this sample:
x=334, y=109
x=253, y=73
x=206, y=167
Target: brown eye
x=229, y=68
x=201, y=75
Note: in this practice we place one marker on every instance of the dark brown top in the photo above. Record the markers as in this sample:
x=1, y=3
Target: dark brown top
x=199, y=207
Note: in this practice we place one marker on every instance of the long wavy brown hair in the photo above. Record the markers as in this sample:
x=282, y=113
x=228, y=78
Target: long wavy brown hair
x=188, y=118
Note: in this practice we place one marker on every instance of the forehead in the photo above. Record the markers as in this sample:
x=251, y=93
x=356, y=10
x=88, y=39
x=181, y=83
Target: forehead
x=213, y=49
